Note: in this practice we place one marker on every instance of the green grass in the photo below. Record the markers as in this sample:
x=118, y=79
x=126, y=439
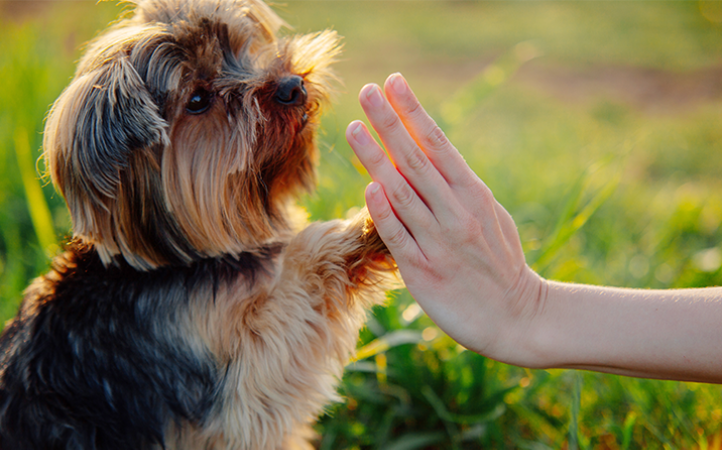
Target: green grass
x=605, y=189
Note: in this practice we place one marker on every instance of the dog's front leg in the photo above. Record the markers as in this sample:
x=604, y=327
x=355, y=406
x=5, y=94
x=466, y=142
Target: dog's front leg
x=287, y=340
x=337, y=270
x=345, y=263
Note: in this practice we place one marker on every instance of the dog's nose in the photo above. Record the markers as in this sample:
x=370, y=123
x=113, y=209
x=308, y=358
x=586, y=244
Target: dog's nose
x=290, y=91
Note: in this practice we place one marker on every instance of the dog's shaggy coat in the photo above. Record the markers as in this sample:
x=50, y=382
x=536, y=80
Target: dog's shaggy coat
x=194, y=307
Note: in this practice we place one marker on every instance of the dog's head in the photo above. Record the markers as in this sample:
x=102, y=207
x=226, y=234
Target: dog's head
x=187, y=130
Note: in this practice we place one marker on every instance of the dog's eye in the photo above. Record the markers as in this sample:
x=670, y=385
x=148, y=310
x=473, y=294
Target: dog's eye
x=199, y=102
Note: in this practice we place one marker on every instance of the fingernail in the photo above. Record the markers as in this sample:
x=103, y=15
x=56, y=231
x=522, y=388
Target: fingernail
x=373, y=187
x=359, y=134
x=398, y=84
x=374, y=96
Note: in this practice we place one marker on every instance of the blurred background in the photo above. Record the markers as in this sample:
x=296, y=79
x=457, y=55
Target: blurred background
x=596, y=124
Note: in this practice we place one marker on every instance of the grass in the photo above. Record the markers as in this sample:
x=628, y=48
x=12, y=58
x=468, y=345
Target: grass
x=607, y=186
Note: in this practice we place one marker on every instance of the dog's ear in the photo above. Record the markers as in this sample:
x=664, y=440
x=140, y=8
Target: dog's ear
x=95, y=124
x=98, y=121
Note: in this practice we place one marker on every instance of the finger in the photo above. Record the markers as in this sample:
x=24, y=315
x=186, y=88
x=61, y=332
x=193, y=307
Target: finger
x=409, y=207
x=470, y=191
x=406, y=155
x=392, y=231
x=427, y=134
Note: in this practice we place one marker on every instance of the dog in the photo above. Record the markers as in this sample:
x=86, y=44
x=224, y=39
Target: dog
x=194, y=307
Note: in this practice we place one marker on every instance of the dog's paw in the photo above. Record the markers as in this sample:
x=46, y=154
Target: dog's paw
x=371, y=239
x=371, y=253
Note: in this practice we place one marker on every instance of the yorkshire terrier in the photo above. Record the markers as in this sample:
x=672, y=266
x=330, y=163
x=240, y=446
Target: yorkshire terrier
x=193, y=308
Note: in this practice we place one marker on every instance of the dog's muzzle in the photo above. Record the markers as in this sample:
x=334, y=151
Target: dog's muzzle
x=291, y=92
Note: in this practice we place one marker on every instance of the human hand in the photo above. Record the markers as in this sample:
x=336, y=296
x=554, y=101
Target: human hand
x=457, y=248
x=460, y=256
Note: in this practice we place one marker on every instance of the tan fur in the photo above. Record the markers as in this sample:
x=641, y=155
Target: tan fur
x=165, y=187
x=307, y=315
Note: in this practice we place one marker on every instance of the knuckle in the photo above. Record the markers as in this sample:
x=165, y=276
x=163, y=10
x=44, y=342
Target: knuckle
x=383, y=215
x=486, y=198
x=390, y=123
x=436, y=139
x=416, y=160
x=377, y=158
x=414, y=111
x=403, y=195
x=397, y=238
x=470, y=180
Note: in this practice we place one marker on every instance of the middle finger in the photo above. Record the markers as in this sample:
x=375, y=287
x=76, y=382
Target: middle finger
x=406, y=155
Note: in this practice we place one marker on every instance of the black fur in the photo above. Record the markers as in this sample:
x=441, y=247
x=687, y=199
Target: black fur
x=95, y=359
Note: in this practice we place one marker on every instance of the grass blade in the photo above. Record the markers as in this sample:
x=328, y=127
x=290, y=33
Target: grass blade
x=387, y=341
x=628, y=430
x=576, y=406
x=37, y=205
x=570, y=223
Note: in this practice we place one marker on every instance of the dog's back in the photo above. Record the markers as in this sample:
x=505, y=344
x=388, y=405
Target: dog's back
x=93, y=359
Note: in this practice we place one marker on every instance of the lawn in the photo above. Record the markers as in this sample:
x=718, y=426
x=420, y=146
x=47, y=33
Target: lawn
x=596, y=124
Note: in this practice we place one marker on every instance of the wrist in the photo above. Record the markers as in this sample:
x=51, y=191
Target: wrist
x=525, y=328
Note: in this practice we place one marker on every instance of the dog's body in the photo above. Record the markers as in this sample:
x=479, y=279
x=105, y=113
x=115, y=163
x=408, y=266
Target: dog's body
x=193, y=309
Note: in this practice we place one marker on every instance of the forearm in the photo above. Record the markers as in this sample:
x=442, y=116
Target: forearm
x=668, y=334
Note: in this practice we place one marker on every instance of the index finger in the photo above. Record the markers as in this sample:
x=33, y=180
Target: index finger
x=427, y=134
x=410, y=161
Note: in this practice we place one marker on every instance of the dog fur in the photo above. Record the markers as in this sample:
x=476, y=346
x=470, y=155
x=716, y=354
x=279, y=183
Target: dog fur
x=194, y=307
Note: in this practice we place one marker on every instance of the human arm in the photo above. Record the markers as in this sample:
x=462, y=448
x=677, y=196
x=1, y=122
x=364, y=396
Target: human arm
x=459, y=253
x=668, y=334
